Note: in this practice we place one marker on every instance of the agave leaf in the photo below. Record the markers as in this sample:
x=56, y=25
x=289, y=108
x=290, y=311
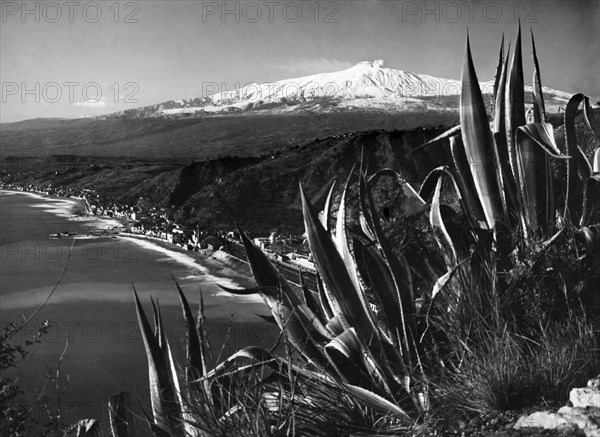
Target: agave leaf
x=239, y=291
x=439, y=228
x=326, y=213
x=453, y=131
x=587, y=109
x=590, y=236
x=479, y=143
x=497, y=78
x=596, y=168
x=515, y=105
x=539, y=110
x=252, y=353
x=350, y=307
x=466, y=197
x=402, y=285
x=507, y=179
x=268, y=319
x=499, y=125
x=341, y=240
x=303, y=327
x=165, y=406
x=591, y=200
x=120, y=415
x=366, y=220
x=196, y=363
x=441, y=282
x=311, y=301
x=345, y=353
x=511, y=194
x=335, y=326
x=578, y=163
x=331, y=266
x=465, y=184
x=364, y=225
x=157, y=430
x=535, y=144
x=87, y=428
x=378, y=403
x=166, y=349
x=324, y=299
x=376, y=274
x=543, y=135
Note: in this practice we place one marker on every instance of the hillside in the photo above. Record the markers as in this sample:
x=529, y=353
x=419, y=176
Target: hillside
x=258, y=192
x=201, y=138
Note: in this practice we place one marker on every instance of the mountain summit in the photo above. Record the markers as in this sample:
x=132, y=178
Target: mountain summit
x=366, y=86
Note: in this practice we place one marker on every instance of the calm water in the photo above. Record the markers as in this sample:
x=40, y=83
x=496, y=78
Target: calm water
x=93, y=304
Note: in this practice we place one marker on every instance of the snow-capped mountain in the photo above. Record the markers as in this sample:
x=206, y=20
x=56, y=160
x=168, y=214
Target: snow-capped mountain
x=365, y=86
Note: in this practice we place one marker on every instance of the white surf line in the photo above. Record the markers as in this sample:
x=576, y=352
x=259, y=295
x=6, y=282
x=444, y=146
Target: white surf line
x=181, y=258
x=63, y=207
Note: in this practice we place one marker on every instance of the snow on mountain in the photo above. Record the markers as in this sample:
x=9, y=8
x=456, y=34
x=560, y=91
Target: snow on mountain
x=366, y=86
x=366, y=80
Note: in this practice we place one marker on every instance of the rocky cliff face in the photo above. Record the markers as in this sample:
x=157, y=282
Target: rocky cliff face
x=265, y=195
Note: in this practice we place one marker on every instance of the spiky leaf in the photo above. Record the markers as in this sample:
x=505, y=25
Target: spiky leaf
x=479, y=143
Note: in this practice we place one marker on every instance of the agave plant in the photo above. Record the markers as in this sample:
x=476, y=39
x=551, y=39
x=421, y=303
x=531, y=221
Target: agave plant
x=360, y=335
x=502, y=170
x=502, y=175
x=251, y=386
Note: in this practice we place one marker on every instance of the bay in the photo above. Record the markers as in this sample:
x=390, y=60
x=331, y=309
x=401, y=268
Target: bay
x=92, y=309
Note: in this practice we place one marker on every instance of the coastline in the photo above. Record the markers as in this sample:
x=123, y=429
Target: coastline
x=65, y=209
x=227, y=272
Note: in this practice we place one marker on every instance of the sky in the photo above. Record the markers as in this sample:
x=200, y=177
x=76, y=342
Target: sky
x=79, y=58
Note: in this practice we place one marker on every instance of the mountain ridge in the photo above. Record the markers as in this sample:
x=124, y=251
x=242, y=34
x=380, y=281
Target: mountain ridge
x=366, y=86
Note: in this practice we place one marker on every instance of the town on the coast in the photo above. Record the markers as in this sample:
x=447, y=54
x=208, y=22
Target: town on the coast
x=289, y=252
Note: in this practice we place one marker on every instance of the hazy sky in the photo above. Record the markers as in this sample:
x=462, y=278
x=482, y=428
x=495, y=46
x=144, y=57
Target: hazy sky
x=58, y=57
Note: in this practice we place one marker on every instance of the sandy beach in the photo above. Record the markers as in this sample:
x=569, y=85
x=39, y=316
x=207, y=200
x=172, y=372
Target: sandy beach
x=224, y=270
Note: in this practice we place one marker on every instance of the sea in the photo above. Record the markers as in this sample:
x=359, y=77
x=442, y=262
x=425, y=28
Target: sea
x=90, y=315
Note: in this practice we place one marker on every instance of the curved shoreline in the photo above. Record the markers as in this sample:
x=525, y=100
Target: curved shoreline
x=65, y=209
x=224, y=271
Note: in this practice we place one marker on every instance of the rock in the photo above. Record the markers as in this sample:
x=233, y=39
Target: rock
x=541, y=419
x=585, y=397
x=588, y=420
x=594, y=384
